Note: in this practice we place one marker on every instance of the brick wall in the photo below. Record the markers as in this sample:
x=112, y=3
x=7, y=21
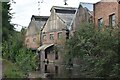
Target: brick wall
x=82, y=16
x=33, y=41
x=103, y=10
x=55, y=40
x=119, y=13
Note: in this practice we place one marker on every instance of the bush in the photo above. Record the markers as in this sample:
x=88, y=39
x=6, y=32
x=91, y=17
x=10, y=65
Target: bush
x=14, y=51
x=100, y=48
x=26, y=60
x=10, y=70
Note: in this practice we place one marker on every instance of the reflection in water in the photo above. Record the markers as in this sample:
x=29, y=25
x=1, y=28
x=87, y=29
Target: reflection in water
x=45, y=69
x=52, y=70
x=59, y=71
x=56, y=70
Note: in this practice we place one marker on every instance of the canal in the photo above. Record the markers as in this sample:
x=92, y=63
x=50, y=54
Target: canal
x=54, y=70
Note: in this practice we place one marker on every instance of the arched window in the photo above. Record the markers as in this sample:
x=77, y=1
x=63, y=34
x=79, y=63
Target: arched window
x=34, y=39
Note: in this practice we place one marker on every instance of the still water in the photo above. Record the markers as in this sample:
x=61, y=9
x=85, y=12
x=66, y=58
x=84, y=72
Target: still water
x=52, y=70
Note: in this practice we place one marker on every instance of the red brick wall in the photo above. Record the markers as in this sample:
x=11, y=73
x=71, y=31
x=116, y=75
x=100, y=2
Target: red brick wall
x=56, y=40
x=82, y=16
x=119, y=13
x=32, y=44
x=103, y=10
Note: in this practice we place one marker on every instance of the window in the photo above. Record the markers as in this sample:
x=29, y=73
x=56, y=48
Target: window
x=112, y=20
x=100, y=22
x=34, y=39
x=67, y=34
x=51, y=37
x=56, y=55
x=45, y=69
x=45, y=55
x=27, y=40
x=90, y=20
x=60, y=35
x=44, y=37
x=56, y=69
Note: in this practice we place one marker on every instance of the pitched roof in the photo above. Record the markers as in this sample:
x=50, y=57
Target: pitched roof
x=36, y=24
x=88, y=6
x=64, y=8
x=65, y=13
x=40, y=20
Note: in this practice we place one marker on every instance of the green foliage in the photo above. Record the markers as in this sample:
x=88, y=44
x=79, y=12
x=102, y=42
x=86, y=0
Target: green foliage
x=26, y=60
x=13, y=49
x=11, y=46
x=98, y=50
x=10, y=70
x=15, y=52
x=7, y=28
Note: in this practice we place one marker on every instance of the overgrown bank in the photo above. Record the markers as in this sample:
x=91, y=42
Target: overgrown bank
x=97, y=50
x=14, y=54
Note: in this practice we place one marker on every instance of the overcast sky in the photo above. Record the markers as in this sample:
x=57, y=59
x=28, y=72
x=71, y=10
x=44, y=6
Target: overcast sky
x=24, y=9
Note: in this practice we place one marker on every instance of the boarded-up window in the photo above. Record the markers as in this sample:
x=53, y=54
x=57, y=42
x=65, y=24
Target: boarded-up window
x=112, y=20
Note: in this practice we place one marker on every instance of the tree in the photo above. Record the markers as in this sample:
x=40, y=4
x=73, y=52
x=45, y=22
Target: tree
x=13, y=49
x=7, y=28
x=98, y=50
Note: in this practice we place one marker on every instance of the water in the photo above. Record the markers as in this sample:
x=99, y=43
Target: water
x=53, y=70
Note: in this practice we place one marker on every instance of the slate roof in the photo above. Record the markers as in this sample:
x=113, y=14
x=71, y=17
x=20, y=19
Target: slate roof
x=88, y=6
x=40, y=21
x=65, y=13
x=36, y=24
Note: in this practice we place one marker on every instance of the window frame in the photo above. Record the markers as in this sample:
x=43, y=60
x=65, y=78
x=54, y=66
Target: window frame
x=27, y=40
x=51, y=36
x=56, y=55
x=44, y=37
x=112, y=20
x=100, y=22
x=34, y=39
x=59, y=34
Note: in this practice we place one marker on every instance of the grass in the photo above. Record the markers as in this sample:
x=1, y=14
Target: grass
x=10, y=70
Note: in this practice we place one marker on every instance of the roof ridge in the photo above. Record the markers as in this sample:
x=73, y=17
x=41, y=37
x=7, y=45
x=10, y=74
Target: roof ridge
x=64, y=7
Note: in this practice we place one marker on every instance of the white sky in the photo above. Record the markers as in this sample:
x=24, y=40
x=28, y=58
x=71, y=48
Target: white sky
x=24, y=9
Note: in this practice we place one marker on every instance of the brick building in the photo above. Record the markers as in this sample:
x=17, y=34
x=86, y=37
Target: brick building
x=106, y=13
x=32, y=36
x=56, y=29
x=62, y=22
x=55, y=32
x=84, y=15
